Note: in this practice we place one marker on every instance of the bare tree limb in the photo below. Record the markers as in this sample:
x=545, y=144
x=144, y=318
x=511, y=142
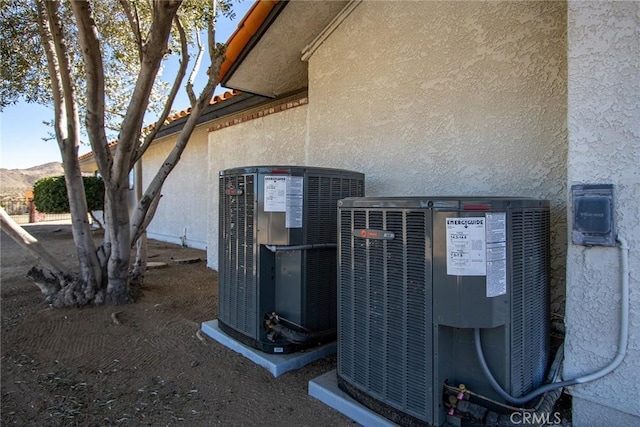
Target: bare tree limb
x=91, y=52
x=141, y=214
x=149, y=216
x=153, y=50
x=132, y=17
x=96, y=220
x=182, y=70
x=196, y=67
x=31, y=244
x=211, y=31
x=60, y=119
x=216, y=53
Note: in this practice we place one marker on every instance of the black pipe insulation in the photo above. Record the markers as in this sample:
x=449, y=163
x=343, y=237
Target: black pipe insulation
x=275, y=248
x=298, y=337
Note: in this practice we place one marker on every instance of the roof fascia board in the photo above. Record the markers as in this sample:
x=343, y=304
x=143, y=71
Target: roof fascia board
x=273, y=14
x=309, y=50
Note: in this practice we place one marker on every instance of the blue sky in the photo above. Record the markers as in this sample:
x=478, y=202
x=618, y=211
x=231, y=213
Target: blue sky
x=22, y=129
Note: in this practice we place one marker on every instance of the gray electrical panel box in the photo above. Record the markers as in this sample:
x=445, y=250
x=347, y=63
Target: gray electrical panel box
x=416, y=275
x=593, y=215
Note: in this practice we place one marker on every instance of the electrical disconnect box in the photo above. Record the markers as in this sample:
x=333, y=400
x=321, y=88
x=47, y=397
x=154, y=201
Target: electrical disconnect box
x=593, y=217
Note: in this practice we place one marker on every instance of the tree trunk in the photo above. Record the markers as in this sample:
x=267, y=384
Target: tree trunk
x=120, y=256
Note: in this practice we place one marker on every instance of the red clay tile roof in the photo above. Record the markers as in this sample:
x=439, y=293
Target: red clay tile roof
x=172, y=118
x=216, y=99
x=90, y=153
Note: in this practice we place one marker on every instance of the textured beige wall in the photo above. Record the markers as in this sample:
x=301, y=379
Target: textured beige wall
x=184, y=206
x=450, y=98
x=604, y=148
x=276, y=139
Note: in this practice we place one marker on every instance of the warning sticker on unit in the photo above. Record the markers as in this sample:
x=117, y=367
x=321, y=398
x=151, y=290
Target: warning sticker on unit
x=295, y=189
x=478, y=247
x=466, y=246
x=496, y=225
x=275, y=193
x=284, y=194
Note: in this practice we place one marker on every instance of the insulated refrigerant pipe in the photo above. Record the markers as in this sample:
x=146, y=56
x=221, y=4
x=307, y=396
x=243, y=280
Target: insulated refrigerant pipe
x=274, y=248
x=621, y=353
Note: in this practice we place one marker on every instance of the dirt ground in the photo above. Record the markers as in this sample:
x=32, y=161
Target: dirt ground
x=148, y=367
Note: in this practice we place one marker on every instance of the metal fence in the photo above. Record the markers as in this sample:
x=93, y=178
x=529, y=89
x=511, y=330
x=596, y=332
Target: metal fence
x=26, y=213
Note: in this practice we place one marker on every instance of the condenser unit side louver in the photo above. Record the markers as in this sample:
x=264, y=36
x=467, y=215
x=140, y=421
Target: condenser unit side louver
x=277, y=254
x=411, y=290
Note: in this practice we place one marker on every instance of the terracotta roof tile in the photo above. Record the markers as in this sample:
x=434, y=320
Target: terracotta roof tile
x=172, y=118
x=90, y=154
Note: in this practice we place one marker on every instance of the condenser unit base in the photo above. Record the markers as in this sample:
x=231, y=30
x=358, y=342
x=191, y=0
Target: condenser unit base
x=325, y=389
x=276, y=364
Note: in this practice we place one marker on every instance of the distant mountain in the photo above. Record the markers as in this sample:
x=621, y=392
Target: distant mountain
x=14, y=182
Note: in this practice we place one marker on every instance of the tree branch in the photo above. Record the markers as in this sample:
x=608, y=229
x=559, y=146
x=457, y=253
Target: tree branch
x=211, y=31
x=31, y=244
x=196, y=68
x=141, y=214
x=182, y=70
x=134, y=22
x=137, y=233
x=95, y=105
x=152, y=53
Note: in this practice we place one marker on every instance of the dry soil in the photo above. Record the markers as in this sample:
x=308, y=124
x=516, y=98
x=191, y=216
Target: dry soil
x=140, y=364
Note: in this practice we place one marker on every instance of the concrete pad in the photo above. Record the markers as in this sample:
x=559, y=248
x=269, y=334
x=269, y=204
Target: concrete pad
x=277, y=364
x=325, y=389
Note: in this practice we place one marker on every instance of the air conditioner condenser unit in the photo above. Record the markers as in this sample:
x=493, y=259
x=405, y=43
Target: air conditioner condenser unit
x=417, y=276
x=277, y=254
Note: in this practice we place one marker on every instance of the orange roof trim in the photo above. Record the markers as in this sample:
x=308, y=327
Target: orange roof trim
x=247, y=28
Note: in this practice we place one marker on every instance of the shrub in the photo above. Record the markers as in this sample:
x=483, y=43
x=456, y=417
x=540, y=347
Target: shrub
x=50, y=194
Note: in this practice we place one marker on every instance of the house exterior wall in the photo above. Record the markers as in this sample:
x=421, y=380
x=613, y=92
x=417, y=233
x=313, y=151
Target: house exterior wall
x=604, y=148
x=452, y=98
x=182, y=217
x=274, y=139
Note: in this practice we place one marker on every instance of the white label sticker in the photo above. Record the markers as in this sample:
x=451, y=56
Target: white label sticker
x=466, y=246
x=496, y=254
x=295, y=189
x=275, y=193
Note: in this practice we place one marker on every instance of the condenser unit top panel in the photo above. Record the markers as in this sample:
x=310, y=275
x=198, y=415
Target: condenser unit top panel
x=464, y=203
x=288, y=169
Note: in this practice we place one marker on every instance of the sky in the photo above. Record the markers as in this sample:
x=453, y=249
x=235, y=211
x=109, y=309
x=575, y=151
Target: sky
x=22, y=129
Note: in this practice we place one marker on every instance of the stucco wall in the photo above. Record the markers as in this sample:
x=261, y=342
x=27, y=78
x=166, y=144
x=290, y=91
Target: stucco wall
x=184, y=213
x=451, y=98
x=275, y=139
x=604, y=147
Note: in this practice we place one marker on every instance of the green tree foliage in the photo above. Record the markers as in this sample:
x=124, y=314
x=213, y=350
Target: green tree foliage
x=23, y=70
x=99, y=64
x=50, y=194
